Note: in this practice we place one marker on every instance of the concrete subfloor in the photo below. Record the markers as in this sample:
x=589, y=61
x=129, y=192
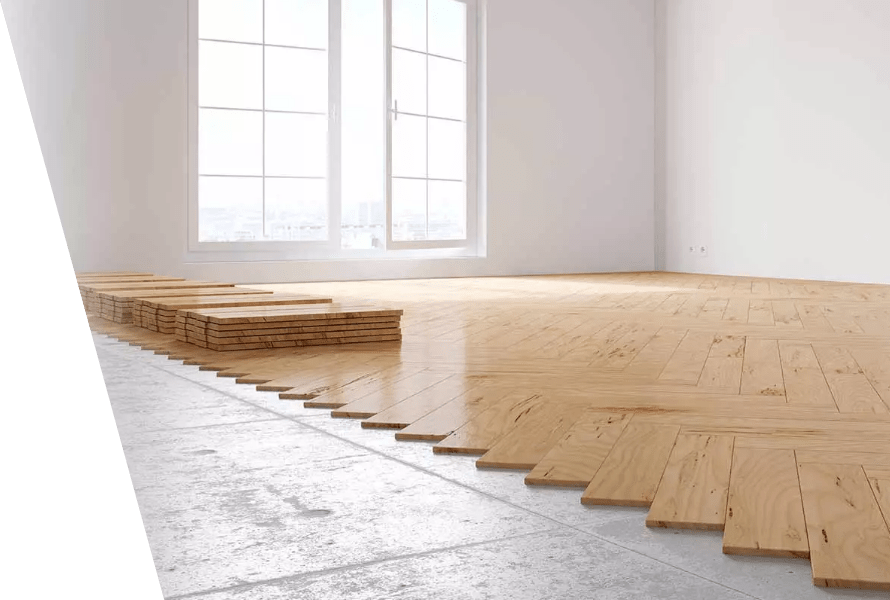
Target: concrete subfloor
x=246, y=496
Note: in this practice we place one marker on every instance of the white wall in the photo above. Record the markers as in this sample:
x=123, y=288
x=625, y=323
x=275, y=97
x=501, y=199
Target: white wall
x=774, y=137
x=570, y=115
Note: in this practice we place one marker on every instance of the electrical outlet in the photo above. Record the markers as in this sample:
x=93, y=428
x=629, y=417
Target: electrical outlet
x=702, y=250
x=691, y=249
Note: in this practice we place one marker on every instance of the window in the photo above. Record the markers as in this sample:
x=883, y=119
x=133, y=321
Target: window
x=332, y=128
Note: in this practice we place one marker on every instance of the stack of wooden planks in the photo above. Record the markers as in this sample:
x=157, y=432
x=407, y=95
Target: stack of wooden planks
x=253, y=328
x=86, y=280
x=107, y=306
x=159, y=314
x=93, y=274
x=118, y=306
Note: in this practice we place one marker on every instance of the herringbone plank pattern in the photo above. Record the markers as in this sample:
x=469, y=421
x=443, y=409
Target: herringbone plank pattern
x=758, y=407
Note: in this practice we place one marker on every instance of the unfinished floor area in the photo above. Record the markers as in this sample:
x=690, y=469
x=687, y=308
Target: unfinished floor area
x=672, y=403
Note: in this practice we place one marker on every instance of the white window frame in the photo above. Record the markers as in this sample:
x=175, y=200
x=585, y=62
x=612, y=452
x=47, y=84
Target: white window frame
x=246, y=251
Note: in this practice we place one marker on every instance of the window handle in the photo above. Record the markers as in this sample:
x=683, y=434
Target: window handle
x=395, y=110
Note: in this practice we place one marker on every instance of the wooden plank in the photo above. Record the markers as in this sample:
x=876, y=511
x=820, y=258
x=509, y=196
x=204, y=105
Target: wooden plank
x=835, y=359
x=187, y=292
x=723, y=368
x=693, y=305
x=328, y=332
x=632, y=471
x=686, y=365
x=276, y=326
x=478, y=435
x=576, y=458
x=651, y=360
x=804, y=381
x=849, y=540
x=762, y=368
x=596, y=346
x=625, y=349
x=525, y=445
x=695, y=484
x=299, y=343
x=388, y=396
x=764, y=515
x=737, y=310
x=816, y=427
x=445, y=420
x=851, y=389
x=812, y=318
x=172, y=304
x=308, y=383
x=875, y=365
x=112, y=274
x=871, y=458
x=821, y=445
x=841, y=321
x=713, y=309
x=879, y=479
x=344, y=394
x=274, y=314
x=785, y=314
x=126, y=279
x=154, y=285
x=760, y=313
x=854, y=393
x=673, y=304
x=421, y=404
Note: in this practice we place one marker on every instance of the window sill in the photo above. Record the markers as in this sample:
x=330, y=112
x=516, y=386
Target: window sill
x=319, y=255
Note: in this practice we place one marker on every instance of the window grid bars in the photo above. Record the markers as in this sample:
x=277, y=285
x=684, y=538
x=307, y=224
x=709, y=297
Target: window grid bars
x=263, y=43
x=427, y=121
x=264, y=118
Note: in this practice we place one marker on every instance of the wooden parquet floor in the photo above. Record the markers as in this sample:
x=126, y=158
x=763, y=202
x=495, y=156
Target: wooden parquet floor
x=757, y=407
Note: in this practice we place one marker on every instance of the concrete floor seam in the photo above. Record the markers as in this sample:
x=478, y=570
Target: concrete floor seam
x=298, y=421
x=359, y=565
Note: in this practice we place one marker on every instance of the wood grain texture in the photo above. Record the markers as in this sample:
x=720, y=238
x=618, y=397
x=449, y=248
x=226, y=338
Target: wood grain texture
x=630, y=474
x=695, y=484
x=576, y=458
x=762, y=368
x=409, y=410
x=445, y=420
x=879, y=478
x=849, y=540
x=480, y=434
x=687, y=362
x=764, y=515
x=388, y=395
x=531, y=438
x=522, y=371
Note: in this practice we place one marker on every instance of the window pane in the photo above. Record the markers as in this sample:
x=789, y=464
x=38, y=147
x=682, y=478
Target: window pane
x=230, y=142
x=448, y=149
x=409, y=81
x=297, y=209
x=230, y=75
x=408, y=209
x=409, y=146
x=448, y=88
x=448, y=29
x=447, y=210
x=409, y=24
x=230, y=209
x=363, y=126
x=235, y=20
x=302, y=23
x=296, y=80
x=296, y=145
